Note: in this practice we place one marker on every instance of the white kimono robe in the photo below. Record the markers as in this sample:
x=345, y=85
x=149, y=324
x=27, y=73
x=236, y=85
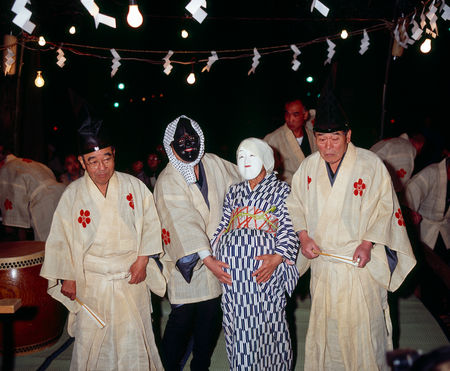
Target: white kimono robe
x=29, y=194
x=426, y=193
x=188, y=225
x=94, y=240
x=398, y=155
x=284, y=141
x=349, y=326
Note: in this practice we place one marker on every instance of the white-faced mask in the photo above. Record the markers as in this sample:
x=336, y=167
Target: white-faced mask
x=249, y=165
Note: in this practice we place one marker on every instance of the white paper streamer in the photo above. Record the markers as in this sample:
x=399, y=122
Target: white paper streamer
x=115, y=62
x=445, y=11
x=60, y=59
x=295, y=62
x=194, y=7
x=255, y=60
x=94, y=11
x=167, y=66
x=320, y=7
x=416, y=31
x=431, y=15
x=23, y=15
x=211, y=60
x=330, y=50
x=9, y=60
x=364, y=43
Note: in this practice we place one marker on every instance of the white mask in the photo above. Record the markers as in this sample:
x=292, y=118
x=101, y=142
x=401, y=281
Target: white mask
x=249, y=165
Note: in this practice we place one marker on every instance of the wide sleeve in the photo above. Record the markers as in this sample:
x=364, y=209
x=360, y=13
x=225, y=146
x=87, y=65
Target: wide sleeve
x=417, y=189
x=59, y=257
x=224, y=222
x=296, y=203
x=183, y=227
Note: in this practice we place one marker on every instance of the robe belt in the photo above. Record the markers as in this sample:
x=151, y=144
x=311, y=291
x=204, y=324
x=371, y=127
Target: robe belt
x=113, y=268
x=253, y=218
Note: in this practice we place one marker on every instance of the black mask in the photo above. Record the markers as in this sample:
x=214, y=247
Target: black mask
x=186, y=142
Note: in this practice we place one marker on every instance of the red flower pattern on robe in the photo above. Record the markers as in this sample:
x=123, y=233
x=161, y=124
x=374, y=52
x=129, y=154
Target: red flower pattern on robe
x=309, y=181
x=399, y=216
x=27, y=160
x=359, y=187
x=84, y=218
x=8, y=205
x=130, y=198
x=165, y=236
x=401, y=173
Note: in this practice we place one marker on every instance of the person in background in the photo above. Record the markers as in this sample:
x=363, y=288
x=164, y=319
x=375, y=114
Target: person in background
x=73, y=169
x=153, y=168
x=293, y=141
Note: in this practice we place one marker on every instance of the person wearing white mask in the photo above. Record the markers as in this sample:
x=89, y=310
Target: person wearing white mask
x=257, y=244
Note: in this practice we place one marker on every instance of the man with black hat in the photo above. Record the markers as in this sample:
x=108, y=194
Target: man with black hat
x=353, y=237
x=97, y=256
x=189, y=196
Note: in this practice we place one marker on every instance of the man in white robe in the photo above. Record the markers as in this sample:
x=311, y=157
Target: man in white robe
x=189, y=195
x=104, y=230
x=29, y=194
x=353, y=237
x=293, y=141
x=427, y=194
x=398, y=154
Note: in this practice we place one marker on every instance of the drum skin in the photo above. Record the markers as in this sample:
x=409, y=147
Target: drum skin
x=40, y=320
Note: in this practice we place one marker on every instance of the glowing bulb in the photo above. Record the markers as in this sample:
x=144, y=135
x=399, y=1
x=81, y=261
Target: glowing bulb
x=184, y=34
x=72, y=30
x=134, y=17
x=344, y=34
x=191, y=78
x=39, y=81
x=426, y=46
x=309, y=79
x=41, y=41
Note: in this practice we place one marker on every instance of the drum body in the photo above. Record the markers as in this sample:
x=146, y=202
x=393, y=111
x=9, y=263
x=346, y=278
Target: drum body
x=40, y=321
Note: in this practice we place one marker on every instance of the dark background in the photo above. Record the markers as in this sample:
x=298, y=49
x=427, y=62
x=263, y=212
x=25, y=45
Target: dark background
x=228, y=104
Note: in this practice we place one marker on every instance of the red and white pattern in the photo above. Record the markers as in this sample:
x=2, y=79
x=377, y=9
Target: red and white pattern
x=84, y=218
x=253, y=218
x=399, y=216
x=359, y=187
x=401, y=173
x=131, y=201
x=8, y=205
x=165, y=234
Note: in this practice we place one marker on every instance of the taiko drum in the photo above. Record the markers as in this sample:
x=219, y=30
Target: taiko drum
x=40, y=321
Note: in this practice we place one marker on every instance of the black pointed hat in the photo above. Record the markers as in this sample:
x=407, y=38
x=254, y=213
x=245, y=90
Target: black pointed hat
x=330, y=116
x=92, y=134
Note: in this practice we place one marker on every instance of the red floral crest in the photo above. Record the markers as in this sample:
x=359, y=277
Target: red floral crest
x=399, y=216
x=131, y=201
x=8, y=205
x=401, y=173
x=309, y=181
x=84, y=218
x=359, y=187
x=27, y=160
x=165, y=236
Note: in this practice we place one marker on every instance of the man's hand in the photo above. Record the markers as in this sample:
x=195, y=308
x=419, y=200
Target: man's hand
x=265, y=271
x=363, y=252
x=138, y=270
x=69, y=289
x=308, y=245
x=217, y=266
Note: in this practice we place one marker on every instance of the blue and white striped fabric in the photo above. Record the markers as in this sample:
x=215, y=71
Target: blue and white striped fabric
x=255, y=327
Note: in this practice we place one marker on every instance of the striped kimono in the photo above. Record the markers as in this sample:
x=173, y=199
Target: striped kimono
x=256, y=222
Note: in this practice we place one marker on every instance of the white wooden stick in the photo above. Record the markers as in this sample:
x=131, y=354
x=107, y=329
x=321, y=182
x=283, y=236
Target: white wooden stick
x=100, y=323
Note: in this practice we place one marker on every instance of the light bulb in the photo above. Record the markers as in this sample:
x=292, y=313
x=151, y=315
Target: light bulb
x=191, y=78
x=426, y=46
x=39, y=81
x=134, y=17
x=184, y=34
x=41, y=41
x=72, y=30
x=344, y=34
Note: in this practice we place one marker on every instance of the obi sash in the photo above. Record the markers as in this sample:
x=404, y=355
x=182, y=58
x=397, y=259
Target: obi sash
x=250, y=217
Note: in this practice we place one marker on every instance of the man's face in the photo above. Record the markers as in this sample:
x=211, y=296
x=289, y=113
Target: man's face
x=153, y=161
x=186, y=142
x=72, y=165
x=249, y=165
x=99, y=165
x=332, y=146
x=295, y=115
